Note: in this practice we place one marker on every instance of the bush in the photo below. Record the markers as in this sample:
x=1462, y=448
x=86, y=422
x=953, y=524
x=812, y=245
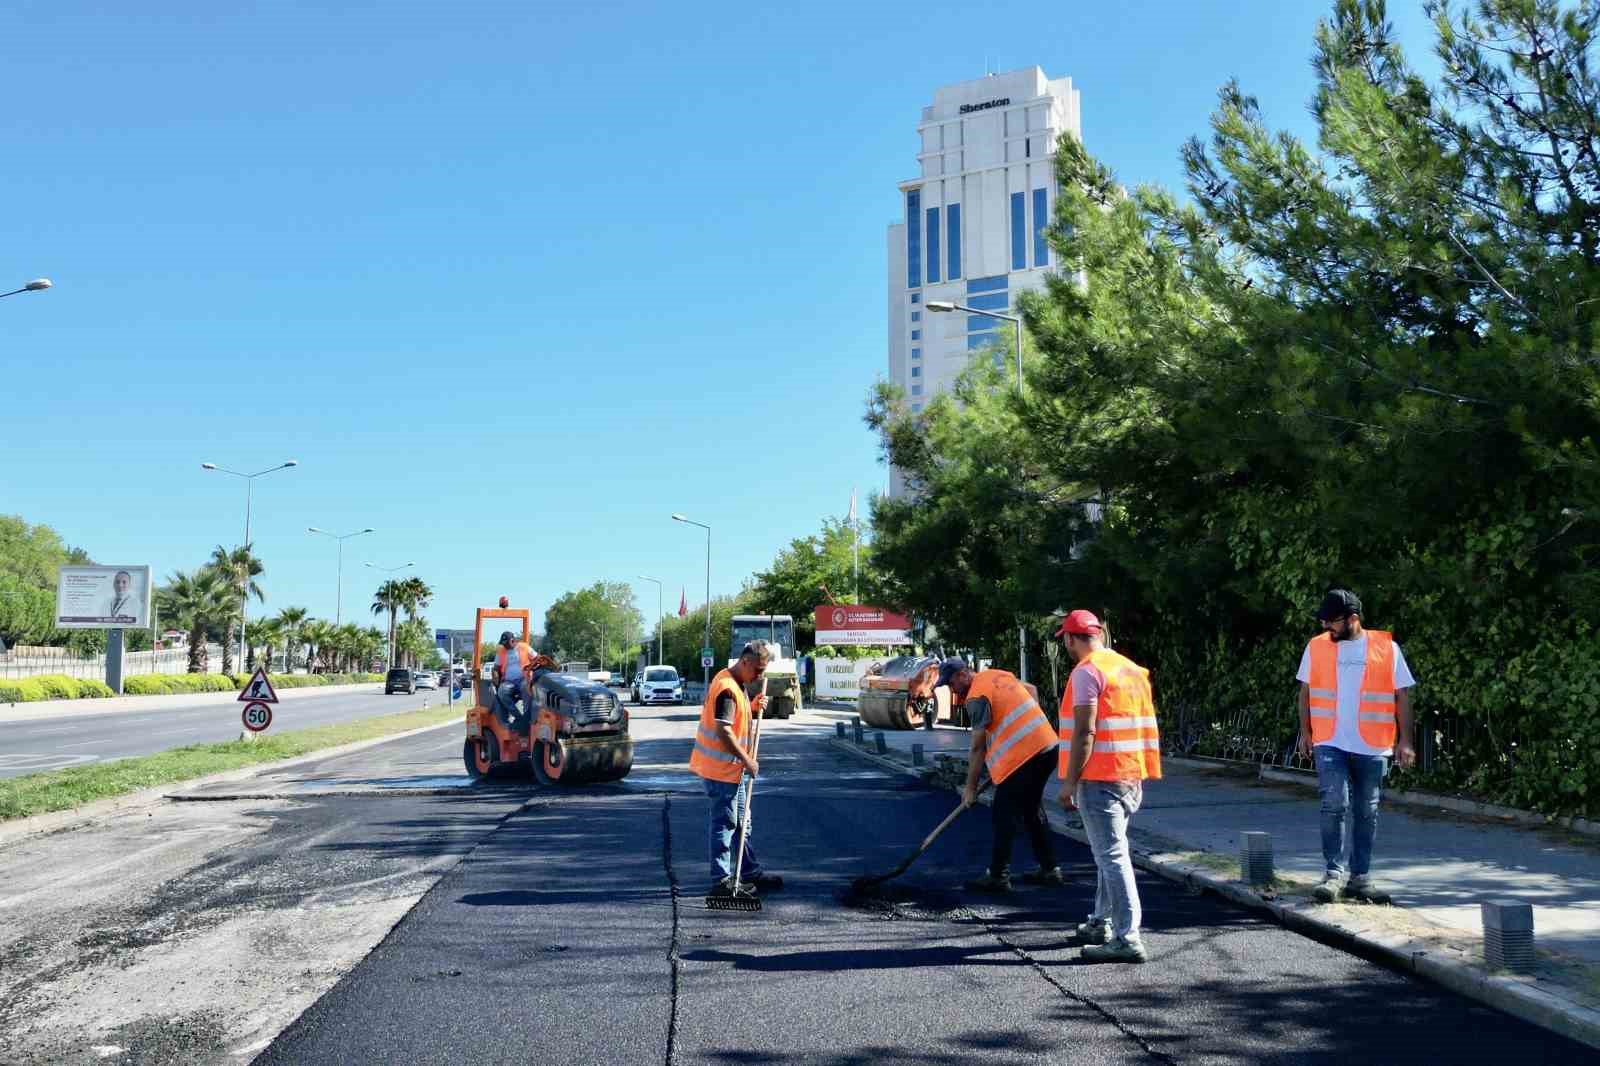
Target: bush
x=91, y=689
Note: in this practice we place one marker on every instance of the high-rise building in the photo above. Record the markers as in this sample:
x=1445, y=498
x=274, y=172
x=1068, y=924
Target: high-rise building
x=972, y=228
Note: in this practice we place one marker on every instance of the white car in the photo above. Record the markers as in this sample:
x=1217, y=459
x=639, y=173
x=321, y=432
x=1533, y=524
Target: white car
x=658, y=684
x=426, y=678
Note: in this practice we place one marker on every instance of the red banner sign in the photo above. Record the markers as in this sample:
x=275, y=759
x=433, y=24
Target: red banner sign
x=854, y=624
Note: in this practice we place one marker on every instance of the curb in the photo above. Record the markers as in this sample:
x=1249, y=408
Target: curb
x=55, y=821
x=1510, y=995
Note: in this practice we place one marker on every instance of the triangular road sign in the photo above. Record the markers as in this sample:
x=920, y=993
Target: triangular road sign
x=259, y=688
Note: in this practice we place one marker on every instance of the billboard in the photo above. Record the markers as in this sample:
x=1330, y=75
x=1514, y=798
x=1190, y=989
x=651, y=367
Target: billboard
x=840, y=679
x=853, y=624
x=103, y=597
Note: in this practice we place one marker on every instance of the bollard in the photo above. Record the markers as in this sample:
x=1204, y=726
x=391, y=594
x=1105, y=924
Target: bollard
x=881, y=743
x=1255, y=857
x=1508, y=935
x=859, y=739
x=916, y=755
x=838, y=730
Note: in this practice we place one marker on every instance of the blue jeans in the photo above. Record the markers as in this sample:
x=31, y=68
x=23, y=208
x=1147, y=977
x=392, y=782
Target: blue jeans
x=1106, y=807
x=1349, y=783
x=727, y=804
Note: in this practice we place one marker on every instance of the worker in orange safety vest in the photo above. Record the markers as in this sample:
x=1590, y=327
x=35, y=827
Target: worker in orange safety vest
x=1109, y=747
x=513, y=668
x=1012, y=741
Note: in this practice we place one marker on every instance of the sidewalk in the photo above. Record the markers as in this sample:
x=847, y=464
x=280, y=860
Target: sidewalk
x=1439, y=865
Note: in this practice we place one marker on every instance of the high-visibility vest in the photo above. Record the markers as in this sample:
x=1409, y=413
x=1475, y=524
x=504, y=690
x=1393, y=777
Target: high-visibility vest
x=711, y=758
x=1127, y=744
x=1017, y=729
x=1375, y=716
x=524, y=656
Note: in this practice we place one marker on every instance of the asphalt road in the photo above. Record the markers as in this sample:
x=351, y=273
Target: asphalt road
x=574, y=932
x=52, y=744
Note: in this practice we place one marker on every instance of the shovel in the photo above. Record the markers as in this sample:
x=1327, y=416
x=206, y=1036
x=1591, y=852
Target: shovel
x=861, y=884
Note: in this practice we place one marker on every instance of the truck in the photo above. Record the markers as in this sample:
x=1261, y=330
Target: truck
x=783, y=675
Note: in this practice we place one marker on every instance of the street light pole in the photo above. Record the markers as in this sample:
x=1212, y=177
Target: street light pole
x=338, y=596
x=36, y=285
x=689, y=521
x=660, y=613
x=390, y=570
x=250, y=483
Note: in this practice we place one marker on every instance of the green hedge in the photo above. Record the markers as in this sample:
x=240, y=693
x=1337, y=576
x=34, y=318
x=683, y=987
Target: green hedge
x=61, y=687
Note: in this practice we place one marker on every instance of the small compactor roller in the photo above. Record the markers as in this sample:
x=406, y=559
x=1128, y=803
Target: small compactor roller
x=900, y=695
x=575, y=732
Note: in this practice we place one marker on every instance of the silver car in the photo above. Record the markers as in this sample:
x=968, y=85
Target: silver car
x=426, y=679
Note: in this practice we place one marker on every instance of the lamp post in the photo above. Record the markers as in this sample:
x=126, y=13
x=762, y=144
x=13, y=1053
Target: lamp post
x=389, y=570
x=660, y=614
x=338, y=597
x=601, y=626
x=249, y=483
x=1016, y=320
x=689, y=521
x=36, y=285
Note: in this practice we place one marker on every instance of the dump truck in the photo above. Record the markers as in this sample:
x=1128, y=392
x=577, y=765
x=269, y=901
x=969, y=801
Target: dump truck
x=575, y=732
x=783, y=675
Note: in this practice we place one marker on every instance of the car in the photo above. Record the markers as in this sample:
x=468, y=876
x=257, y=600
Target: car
x=399, y=680
x=444, y=678
x=658, y=684
x=427, y=679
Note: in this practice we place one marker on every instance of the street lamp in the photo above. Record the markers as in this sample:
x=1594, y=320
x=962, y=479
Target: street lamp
x=249, y=483
x=388, y=570
x=689, y=521
x=601, y=626
x=338, y=601
x=660, y=614
x=36, y=285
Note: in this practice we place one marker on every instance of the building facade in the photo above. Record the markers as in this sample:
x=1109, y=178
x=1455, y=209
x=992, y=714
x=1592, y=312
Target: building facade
x=971, y=231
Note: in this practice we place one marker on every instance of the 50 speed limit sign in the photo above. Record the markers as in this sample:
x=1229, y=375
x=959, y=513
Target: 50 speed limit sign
x=257, y=716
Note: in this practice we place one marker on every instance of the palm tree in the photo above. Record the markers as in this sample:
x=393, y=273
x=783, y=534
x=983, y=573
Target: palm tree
x=390, y=598
x=318, y=634
x=369, y=647
x=417, y=596
x=239, y=568
x=289, y=621
x=195, y=601
x=256, y=635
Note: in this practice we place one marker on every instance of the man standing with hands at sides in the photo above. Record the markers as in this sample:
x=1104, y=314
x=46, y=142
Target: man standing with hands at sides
x=722, y=757
x=1355, y=711
x=1109, y=748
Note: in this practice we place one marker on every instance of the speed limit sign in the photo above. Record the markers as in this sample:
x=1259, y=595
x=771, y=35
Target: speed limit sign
x=257, y=716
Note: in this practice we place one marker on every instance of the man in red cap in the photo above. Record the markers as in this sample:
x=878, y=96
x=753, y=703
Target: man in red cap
x=1109, y=747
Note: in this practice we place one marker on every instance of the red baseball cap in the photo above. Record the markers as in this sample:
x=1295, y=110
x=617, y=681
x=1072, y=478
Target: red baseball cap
x=1080, y=623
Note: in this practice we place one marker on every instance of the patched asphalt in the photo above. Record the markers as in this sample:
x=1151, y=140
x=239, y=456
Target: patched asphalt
x=558, y=939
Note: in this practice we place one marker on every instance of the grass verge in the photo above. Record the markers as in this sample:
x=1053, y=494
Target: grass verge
x=60, y=790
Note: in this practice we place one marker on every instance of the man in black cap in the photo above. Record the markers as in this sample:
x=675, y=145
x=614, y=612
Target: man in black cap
x=1355, y=713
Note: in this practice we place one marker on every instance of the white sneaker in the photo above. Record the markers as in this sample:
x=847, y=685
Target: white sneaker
x=1328, y=888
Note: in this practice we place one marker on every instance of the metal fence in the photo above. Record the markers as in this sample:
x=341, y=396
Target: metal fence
x=24, y=661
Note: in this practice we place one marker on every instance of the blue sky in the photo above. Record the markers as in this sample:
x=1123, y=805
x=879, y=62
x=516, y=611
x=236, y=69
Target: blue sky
x=513, y=282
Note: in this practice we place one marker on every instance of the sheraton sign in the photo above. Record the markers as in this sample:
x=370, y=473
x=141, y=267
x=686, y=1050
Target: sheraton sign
x=967, y=109
x=854, y=624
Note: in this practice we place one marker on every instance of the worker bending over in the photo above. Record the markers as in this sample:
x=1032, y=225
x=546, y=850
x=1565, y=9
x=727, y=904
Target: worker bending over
x=722, y=757
x=1110, y=746
x=1013, y=741
x=513, y=669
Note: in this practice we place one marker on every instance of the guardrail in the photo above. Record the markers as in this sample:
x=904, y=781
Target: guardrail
x=34, y=661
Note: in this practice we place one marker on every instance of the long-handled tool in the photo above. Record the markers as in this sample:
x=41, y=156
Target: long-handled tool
x=742, y=898
x=863, y=883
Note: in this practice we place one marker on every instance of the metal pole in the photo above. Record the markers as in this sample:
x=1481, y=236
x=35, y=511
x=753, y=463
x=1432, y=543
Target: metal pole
x=244, y=591
x=706, y=671
x=857, y=524
x=660, y=614
x=338, y=594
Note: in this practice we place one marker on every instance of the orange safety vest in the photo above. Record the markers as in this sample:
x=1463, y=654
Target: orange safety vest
x=1127, y=745
x=524, y=656
x=1375, y=716
x=711, y=758
x=1017, y=729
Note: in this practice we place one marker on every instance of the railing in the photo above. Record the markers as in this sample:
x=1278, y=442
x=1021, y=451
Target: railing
x=24, y=661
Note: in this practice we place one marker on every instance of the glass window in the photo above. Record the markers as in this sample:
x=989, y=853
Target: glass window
x=953, y=253
x=916, y=297
x=978, y=340
x=990, y=301
x=915, y=408
x=916, y=389
x=916, y=334
x=1019, y=234
x=999, y=281
x=916, y=316
x=913, y=239
x=933, y=244
x=916, y=371
x=1041, y=222
x=916, y=353
x=979, y=323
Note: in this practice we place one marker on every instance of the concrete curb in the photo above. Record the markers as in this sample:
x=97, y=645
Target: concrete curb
x=1512, y=995
x=57, y=821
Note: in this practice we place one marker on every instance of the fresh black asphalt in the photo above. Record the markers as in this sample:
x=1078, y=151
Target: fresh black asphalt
x=560, y=938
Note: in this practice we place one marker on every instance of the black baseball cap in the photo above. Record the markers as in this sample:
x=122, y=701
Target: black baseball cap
x=508, y=638
x=1337, y=604
x=949, y=669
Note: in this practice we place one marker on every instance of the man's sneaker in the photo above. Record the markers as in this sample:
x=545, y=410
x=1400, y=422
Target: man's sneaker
x=723, y=889
x=1363, y=889
x=1051, y=877
x=1092, y=932
x=1328, y=889
x=767, y=882
x=991, y=884
x=1118, y=950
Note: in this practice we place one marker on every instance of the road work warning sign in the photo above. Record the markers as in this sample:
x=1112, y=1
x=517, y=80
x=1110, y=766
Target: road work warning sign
x=258, y=689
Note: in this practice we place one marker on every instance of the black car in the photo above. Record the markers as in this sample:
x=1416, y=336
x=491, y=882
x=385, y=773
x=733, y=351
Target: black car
x=399, y=681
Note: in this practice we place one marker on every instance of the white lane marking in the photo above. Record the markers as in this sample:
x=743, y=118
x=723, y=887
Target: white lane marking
x=84, y=744
x=53, y=732
x=43, y=761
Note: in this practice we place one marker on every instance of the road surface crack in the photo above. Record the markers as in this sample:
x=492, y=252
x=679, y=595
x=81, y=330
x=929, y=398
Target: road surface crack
x=674, y=943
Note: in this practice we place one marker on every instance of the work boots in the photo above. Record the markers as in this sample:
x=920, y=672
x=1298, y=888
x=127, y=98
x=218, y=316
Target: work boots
x=1051, y=878
x=991, y=883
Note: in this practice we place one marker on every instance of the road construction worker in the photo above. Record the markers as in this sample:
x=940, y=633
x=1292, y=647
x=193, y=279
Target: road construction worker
x=513, y=669
x=1109, y=747
x=724, y=760
x=1355, y=712
x=1012, y=741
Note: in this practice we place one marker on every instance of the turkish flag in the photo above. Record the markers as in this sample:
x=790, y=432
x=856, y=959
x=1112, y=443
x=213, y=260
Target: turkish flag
x=683, y=603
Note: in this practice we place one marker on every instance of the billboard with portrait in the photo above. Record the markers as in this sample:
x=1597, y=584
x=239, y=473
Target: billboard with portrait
x=103, y=597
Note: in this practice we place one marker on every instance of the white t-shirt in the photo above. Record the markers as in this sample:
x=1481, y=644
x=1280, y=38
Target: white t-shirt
x=1352, y=668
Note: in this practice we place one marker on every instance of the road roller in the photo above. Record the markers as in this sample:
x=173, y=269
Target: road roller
x=900, y=694
x=574, y=733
